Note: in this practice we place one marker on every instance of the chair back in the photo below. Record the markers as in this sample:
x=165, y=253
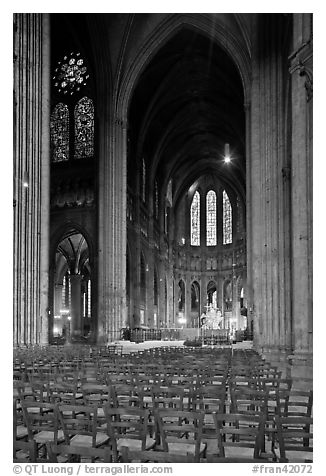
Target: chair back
x=127, y=422
x=240, y=433
x=78, y=420
x=294, y=434
x=40, y=417
x=75, y=453
x=181, y=427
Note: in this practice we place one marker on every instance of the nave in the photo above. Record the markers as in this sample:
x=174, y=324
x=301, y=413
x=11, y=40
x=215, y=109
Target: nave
x=160, y=404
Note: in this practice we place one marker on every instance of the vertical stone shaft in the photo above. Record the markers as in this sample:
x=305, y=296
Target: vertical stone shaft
x=31, y=165
x=269, y=255
x=301, y=175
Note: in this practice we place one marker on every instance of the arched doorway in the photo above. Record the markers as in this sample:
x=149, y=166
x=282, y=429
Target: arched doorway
x=195, y=304
x=181, y=318
x=73, y=319
x=212, y=295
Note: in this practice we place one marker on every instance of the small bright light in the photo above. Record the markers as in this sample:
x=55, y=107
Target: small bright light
x=227, y=156
x=69, y=318
x=25, y=180
x=64, y=311
x=182, y=320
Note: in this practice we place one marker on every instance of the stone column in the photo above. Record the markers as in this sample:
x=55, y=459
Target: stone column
x=301, y=177
x=31, y=164
x=112, y=224
x=268, y=234
x=249, y=222
x=150, y=289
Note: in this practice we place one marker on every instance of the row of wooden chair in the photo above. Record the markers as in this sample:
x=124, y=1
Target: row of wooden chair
x=174, y=431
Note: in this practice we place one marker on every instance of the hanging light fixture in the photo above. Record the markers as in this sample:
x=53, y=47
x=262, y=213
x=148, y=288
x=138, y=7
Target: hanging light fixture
x=227, y=157
x=25, y=180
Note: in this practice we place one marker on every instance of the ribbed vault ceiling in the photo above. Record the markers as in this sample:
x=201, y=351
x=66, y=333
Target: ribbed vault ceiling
x=187, y=104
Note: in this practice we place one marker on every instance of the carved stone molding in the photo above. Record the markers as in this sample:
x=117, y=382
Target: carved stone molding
x=72, y=193
x=301, y=60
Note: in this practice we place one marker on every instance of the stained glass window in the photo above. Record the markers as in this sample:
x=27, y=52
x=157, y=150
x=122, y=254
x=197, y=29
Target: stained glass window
x=70, y=74
x=59, y=127
x=156, y=199
x=89, y=304
x=195, y=220
x=143, y=184
x=227, y=219
x=64, y=292
x=169, y=196
x=84, y=128
x=211, y=218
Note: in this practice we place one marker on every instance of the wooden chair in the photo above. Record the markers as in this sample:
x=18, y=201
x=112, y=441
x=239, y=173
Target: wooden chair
x=180, y=432
x=298, y=403
x=217, y=459
x=42, y=422
x=209, y=400
x=124, y=395
x=248, y=401
x=128, y=426
x=162, y=457
x=294, y=437
x=24, y=451
x=20, y=430
x=66, y=393
x=169, y=397
x=80, y=425
x=239, y=435
x=74, y=454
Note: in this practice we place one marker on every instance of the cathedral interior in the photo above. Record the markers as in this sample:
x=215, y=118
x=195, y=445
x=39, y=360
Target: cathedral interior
x=163, y=179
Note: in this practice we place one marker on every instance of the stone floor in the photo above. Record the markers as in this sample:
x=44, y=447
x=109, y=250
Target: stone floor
x=133, y=347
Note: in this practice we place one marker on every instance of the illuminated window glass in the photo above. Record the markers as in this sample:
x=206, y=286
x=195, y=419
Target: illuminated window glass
x=89, y=304
x=211, y=218
x=64, y=293
x=156, y=199
x=195, y=220
x=143, y=184
x=227, y=219
x=84, y=128
x=70, y=74
x=59, y=128
x=169, y=196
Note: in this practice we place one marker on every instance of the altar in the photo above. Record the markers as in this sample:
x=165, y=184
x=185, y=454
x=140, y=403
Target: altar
x=212, y=319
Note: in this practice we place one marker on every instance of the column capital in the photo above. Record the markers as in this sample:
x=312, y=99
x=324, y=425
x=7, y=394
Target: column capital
x=121, y=122
x=301, y=61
